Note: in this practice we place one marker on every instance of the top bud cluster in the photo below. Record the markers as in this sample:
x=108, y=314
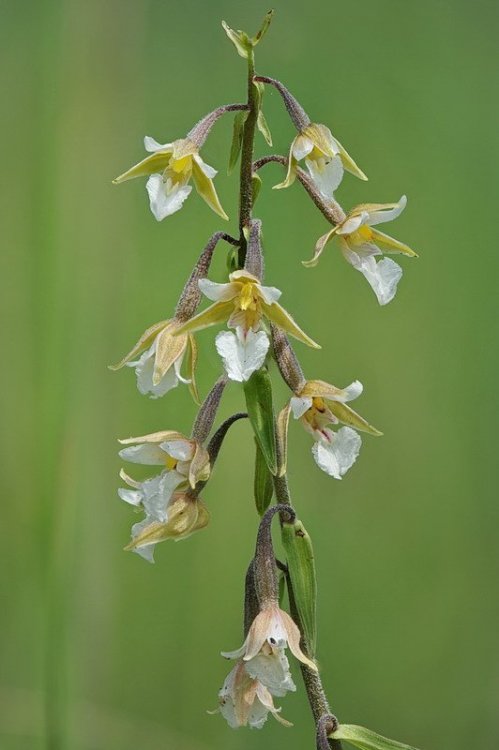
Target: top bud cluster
x=166, y=353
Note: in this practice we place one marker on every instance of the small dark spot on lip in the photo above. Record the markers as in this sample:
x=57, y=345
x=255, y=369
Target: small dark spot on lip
x=272, y=641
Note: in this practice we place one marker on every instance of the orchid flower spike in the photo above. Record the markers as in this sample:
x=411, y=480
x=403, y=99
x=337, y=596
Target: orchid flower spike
x=162, y=352
x=169, y=499
x=360, y=243
x=170, y=168
x=319, y=404
x=244, y=303
x=244, y=700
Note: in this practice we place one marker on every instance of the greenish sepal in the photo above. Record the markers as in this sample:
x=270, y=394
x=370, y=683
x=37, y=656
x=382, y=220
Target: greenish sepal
x=263, y=484
x=263, y=28
x=300, y=559
x=258, y=392
x=256, y=184
x=264, y=128
x=237, y=140
x=365, y=739
x=241, y=41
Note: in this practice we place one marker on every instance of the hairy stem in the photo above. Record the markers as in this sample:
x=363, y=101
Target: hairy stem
x=246, y=185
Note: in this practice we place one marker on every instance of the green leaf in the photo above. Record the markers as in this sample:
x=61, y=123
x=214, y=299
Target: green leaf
x=240, y=40
x=256, y=184
x=237, y=140
x=263, y=485
x=264, y=28
x=264, y=128
x=300, y=558
x=364, y=739
x=258, y=392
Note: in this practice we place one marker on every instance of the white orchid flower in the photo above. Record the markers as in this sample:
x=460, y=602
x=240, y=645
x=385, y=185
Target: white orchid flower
x=360, y=244
x=263, y=651
x=325, y=159
x=245, y=701
x=158, y=368
x=170, y=168
x=244, y=303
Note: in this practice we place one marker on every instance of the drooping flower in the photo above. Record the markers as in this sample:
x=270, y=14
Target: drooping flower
x=244, y=303
x=170, y=168
x=158, y=368
x=172, y=511
x=318, y=405
x=360, y=244
x=263, y=651
x=244, y=700
x=325, y=159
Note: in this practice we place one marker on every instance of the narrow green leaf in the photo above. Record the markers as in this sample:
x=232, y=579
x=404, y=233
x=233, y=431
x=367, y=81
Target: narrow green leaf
x=263, y=484
x=258, y=392
x=240, y=40
x=264, y=28
x=300, y=558
x=264, y=128
x=256, y=184
x=237, y=140
x=365, y=739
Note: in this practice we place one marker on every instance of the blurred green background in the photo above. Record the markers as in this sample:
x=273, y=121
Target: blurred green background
x=115, y=653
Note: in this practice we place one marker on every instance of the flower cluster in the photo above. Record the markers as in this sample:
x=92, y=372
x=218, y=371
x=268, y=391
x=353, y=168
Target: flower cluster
x=258, y=329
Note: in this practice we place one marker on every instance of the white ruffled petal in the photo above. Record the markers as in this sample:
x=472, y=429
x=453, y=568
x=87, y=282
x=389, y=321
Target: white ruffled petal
x=144, y=369
x=272, y=670
x=147, y=454
x=242, y=355
x=351, y=392
x=336, y=457
x=158, y=492
x=379, y=217
x=383, y=276
x=300, y=405
x=164, y=198
x=326, y=174
x=152, y=145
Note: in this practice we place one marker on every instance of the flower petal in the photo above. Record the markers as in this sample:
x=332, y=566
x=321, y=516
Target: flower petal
x=144, y=370
x=206, y=190
x=269, y=294
x=152, y=145
x=391, y=245
x=349, y=163
x=321, y=389
x=348, y=416
x=272, y=670
x=337, y=457
x=383, y=276
x=242, y=355
x=164, y=198
x=218, y=292
x=132, y=497
x=291, y=170
x=169, y=349
x=388, y=212
x=327, y=175
x=319, y=247
x=157, y=162
x=216, y=313
x=147, y=454
x=283, y=319
x=300, y=404
x=205, y=168
x=182, y=450
x=301, y=147
x=144, y=341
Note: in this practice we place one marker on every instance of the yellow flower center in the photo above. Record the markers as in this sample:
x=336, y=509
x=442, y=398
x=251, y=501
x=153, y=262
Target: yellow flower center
x=363, y=234
x=248, y=301
x=181, y=166
x=170, y=463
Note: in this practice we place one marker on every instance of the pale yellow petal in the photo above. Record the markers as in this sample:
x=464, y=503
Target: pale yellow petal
x=168, y=349
x=154, y=437
x=283, y=319
x=216, y=313
x=391, y=245
x=153, y=164
x=145, y=340
x=321, y=137
x=349, y=163
x=257, y=634
x=206, y=189
x=350, y=417
x=294, y=638
x=199, y=467
x=319, y=247
x=321, y=389
x=291, y=171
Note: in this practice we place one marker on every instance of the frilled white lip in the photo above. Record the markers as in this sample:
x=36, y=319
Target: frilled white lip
x=337, y=454
x=242, y=354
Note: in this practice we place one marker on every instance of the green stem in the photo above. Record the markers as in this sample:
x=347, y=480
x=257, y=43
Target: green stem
x=246, y=184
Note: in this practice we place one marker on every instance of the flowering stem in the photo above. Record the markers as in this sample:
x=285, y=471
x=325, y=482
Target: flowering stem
x=246, y=185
